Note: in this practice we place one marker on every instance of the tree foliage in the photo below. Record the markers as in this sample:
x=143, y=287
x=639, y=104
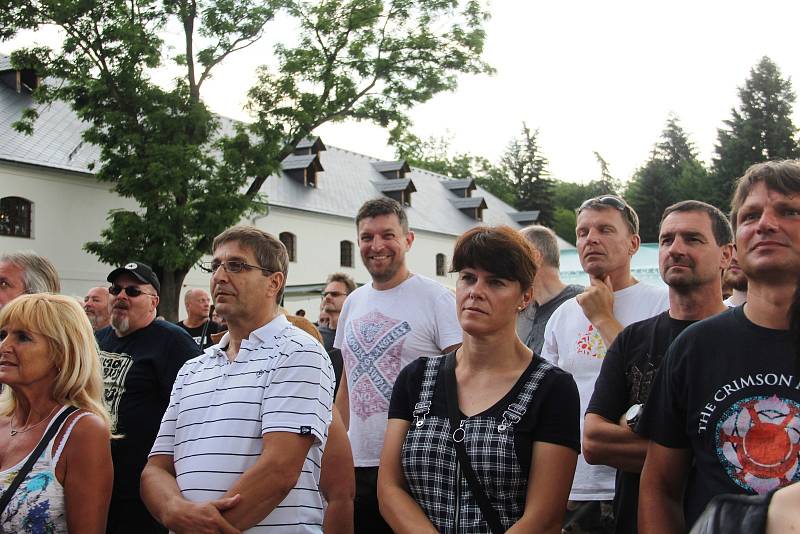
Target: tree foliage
x=672, y=173
x=760, y=129
x=525, y=168
x=189, y=170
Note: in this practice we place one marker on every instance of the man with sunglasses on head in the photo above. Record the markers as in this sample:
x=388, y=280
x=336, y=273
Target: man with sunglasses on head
x=240, y=446
x=578, y=333
x=141, y=358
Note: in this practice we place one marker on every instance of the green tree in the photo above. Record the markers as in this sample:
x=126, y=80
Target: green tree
x=606, y=184
x=760, y=129
x=357, y=59
x=671, y=174
x=525, y=168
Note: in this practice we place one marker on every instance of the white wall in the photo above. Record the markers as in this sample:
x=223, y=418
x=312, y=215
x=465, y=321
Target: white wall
x=70, y=210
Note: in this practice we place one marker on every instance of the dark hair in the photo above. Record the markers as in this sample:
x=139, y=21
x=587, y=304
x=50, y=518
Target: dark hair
x=343, y=279
x=720, y=226
x=270, y=253
x=383, y=206
x=782, y=176
x=613, y=202
x=545, y=242
x=499, y=250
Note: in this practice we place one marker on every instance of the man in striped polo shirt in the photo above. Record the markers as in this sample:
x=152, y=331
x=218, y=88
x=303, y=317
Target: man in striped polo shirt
x=240, y=445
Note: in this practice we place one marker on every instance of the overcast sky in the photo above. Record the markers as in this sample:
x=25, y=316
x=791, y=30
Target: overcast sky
x=589, y=75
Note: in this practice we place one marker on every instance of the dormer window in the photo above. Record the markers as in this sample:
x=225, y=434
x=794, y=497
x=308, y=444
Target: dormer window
x=472, y=206
x=399, y=190
x=394, y=170
x=461, y=188
x=525, y=218
x=303, y=169
x=308, y=146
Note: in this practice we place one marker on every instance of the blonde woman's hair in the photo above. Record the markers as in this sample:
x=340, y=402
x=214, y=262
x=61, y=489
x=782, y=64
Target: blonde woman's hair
x=73, y=350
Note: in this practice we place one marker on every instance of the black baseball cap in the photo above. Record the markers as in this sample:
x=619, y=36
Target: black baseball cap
x=138, y=270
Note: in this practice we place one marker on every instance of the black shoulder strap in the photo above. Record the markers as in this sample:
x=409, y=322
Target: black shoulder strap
x=451, y=390
x=37, y=452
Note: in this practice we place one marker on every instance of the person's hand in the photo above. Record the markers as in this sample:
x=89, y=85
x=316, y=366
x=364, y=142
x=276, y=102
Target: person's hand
x=200, y=517
x=597, y=300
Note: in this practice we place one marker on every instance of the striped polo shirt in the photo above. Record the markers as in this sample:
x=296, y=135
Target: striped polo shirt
x=280, y=381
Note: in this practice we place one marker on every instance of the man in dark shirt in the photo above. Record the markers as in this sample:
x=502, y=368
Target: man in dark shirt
x=695, y=245
x=198, y=306
x=141, y=358
x=333, y=296
x=724, y=412
x=549, y=292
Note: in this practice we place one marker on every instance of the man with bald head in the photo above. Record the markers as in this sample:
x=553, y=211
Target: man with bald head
x=198, y=306
x=97, y=305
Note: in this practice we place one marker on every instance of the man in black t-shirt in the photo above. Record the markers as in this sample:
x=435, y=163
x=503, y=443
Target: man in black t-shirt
x=141, y=358
x=724, y=412
x=198, y=305
x=695, y=245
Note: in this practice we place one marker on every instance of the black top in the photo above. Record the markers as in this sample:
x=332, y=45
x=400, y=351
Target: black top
x=553, y=416
x=728, y=391
x=138, y=373
x=197, y=331
x=541, y=314
x=625, y=379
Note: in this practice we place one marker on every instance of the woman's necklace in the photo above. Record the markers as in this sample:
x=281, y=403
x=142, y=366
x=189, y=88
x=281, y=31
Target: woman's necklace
x=23, y=430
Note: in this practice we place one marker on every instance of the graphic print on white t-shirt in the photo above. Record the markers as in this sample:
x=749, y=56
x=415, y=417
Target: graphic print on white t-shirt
x=375, y=344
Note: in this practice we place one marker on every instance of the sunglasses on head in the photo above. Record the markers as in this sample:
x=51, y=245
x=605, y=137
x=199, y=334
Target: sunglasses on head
x=605, y=200
x=131, y=291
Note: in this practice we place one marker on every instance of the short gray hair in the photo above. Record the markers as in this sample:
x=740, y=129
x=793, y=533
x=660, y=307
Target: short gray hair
x=544, y=240
x=38, y=274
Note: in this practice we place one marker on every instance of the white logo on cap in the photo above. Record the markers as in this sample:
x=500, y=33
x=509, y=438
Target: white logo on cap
x=132, y=266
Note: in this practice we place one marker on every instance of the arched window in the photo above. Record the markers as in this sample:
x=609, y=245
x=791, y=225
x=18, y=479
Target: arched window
x=15, y=217
x=346, y=253
x=290, y=242
x=440, y=265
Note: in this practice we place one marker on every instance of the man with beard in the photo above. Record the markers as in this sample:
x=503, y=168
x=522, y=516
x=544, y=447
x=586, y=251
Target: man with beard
x=383, y=326
x=724, y=412
x=578, y=332
x=734, y=278
x=333, y=296
x=141, y=358
x=695, y=245
x=97, y=305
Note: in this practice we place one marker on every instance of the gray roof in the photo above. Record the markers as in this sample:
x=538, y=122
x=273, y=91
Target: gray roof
x=304, y=161
x=5, y=62
x=391, y=166
x=349, y=178
x=310, y=142
x=469, y=202
x=387, y=186
x=525, y=216
x=461, y=183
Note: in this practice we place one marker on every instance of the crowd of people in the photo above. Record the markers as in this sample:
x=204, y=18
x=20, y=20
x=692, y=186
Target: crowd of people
x=515, y=403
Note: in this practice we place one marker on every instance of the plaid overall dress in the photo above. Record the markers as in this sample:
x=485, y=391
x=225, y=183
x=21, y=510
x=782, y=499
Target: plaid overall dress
x=431, y=468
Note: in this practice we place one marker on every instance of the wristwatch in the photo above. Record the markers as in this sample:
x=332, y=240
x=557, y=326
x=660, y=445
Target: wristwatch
x=632, y=415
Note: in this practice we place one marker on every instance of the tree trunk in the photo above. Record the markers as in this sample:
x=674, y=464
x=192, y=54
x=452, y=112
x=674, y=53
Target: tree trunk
x=171, y=285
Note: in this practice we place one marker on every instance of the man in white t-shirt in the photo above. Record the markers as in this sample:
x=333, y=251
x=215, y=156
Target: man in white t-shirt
x=384, y=326
x=577, y=334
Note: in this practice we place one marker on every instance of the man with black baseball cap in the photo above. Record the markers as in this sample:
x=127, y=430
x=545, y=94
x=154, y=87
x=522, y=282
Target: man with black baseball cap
x=141, y=358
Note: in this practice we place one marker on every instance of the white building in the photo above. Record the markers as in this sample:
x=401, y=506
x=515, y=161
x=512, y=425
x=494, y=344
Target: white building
x=50, y=202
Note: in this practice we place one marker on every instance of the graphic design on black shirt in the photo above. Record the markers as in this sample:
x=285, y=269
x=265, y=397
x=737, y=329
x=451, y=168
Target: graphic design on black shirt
x=758, y=441
x=115, y=371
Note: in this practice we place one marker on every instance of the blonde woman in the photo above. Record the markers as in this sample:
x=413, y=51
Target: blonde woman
x=49, y=366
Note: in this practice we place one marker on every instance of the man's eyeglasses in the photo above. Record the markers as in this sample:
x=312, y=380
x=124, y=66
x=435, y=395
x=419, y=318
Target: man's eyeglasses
x=334, y=294
x=605, y=200
x=232, y=266
x=131, y=291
